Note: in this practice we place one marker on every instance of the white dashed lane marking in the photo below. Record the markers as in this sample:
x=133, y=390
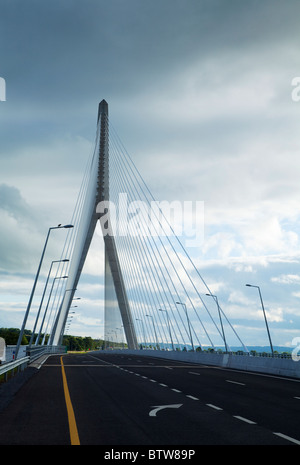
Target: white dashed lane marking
x=245, y=420
x=215, y=407
x=235, y=382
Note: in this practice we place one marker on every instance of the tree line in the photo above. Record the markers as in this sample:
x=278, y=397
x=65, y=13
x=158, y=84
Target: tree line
x=11, y=336
x=72, y=343
x=79, y=343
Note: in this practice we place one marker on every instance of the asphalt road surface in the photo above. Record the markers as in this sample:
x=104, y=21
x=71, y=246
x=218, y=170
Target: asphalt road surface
x=120, y=400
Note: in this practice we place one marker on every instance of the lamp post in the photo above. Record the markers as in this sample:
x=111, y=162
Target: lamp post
x=34, y=285
x=217, y=302
x=263, y=309
x=56, y=321
x=121, y=335
x=189, y=326
x=150, y=316
x=168, y=320
x=138, y=319
x=45, y=287
x=58, y=277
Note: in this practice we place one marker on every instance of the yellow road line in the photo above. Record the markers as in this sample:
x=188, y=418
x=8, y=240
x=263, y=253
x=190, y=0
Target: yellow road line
x=71, y=417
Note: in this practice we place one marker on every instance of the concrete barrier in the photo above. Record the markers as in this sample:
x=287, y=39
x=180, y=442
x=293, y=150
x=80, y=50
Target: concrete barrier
x=269, y=365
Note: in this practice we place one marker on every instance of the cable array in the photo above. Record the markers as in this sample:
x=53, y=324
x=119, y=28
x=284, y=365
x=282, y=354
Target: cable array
x=55, y=287
x=165, y=290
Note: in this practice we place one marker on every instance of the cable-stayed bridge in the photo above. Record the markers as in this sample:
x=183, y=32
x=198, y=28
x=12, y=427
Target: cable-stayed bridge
x=155, y=296
x=154, y=293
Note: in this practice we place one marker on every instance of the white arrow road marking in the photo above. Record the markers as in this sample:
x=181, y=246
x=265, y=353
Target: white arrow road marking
x=160, y=407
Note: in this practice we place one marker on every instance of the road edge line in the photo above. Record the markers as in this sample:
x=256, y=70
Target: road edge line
x=71, y=416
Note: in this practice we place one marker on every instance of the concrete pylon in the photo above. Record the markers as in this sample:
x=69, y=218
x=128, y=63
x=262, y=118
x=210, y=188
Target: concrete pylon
x=97, y=192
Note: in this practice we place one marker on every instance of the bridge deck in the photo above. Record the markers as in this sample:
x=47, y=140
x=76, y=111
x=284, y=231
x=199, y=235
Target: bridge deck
x=127, y=400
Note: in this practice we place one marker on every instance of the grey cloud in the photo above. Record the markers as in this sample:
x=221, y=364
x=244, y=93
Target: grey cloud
x=165, y=67
x=12, y=202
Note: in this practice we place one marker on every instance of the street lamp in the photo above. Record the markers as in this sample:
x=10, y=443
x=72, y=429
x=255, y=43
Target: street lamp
x=58, y=277
x=45, y=287
x=181, y=303
x=150, y=316
x=263, y=308
x=138, y=319
x=34, y=285
x=57, y=318
x=217, y=302
x=168, y=320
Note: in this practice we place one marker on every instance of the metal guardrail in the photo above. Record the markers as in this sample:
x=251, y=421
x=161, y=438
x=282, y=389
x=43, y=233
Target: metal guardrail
x=37, y=351
x=32, y=354
x=20, y=363
x=252, y=354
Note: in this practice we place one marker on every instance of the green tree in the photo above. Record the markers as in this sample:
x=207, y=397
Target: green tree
x=11, y=336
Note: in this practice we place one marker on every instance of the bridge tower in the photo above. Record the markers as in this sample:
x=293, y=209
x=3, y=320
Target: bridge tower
x=97, y=191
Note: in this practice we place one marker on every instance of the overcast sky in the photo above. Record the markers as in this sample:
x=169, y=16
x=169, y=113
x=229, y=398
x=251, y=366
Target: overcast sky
x=200, y=93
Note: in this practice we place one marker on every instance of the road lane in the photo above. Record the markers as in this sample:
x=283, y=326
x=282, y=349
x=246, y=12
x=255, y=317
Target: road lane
x=37, y=414
x=268, y=401
x=121, y=400
x=195, y=422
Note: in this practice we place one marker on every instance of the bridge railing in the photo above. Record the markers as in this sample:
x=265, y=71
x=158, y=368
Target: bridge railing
x=37, y=351
x=32, y=354
x=254, y=354
x=19, y=364
x=267, y=365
